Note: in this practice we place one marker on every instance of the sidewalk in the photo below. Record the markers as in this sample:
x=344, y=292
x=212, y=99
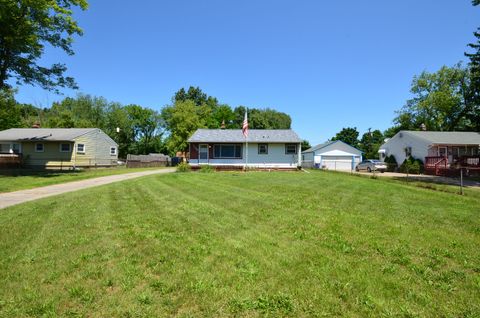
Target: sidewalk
x=17, y=197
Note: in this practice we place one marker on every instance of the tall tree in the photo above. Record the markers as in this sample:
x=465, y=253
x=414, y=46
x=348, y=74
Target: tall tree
x=10, y=111
x=370, y=143
x=474, y=66
x=25, y=28
x=442, y=101
x=181, y=120
x=81, y=111
x=262, y=118
x=305, y=145
x=146, y=124
x=348, y=135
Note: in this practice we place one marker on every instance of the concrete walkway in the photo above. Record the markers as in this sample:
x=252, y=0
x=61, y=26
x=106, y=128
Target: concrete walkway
x=17, y=197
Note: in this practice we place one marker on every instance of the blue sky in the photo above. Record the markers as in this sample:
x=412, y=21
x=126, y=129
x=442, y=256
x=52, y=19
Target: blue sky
x=328, y=64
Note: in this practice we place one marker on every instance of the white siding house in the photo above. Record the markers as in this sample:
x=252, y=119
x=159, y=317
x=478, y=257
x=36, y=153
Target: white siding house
x=443, y=153
x=263, y=148
x=332, y=155
x=423, y=144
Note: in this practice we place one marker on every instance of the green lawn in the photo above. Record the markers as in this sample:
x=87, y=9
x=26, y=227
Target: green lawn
x=235, y=244
x=26, y=179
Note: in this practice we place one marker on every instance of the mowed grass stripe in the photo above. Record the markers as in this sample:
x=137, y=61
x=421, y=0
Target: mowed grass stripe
x=256, y=244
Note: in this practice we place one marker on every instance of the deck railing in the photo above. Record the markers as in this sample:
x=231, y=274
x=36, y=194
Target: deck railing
x=469, y=161
x=439, y=165
x=10, y=160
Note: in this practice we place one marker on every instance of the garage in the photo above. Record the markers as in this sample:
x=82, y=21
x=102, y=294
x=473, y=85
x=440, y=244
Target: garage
x=332, y=155
x=337, y=163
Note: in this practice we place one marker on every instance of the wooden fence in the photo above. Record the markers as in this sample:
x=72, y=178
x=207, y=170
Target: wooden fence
x=146, y=161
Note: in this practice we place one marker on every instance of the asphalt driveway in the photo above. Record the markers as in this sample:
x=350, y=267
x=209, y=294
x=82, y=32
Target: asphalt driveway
x=17, y=197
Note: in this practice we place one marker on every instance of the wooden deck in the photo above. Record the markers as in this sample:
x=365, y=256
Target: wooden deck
x=441, y=166
x=10, y=160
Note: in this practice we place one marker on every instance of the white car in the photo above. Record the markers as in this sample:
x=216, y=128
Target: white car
x=371, y=165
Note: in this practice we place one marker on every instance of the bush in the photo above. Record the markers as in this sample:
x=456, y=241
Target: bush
x=391, y=163
x=207, y=169
x=412, y=165
x=183, y=167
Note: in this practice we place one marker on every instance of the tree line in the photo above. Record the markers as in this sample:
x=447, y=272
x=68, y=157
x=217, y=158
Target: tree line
x=138, y=129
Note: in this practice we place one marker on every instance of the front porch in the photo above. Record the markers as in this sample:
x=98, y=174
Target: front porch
x=444, y=166
x=448, y=159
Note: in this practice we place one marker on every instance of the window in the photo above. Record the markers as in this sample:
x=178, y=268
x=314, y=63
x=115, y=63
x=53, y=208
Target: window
x=113, y=151
x=263, y=149
x=227, y=151
x=290, y=149
x=4, y=148
x=408, y=151
x=64, y=147
x=39, y=148
x=81, y=148
x=16, y=148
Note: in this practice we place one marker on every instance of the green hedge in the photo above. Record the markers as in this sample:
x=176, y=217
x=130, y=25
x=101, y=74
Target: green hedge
x=412, y=165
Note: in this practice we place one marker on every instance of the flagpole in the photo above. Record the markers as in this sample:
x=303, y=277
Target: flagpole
x=245, y=134
x=246, y=150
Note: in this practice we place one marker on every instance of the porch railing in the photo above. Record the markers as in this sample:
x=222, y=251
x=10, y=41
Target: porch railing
x=469, y=161
x=10, y=160
x=440, y=164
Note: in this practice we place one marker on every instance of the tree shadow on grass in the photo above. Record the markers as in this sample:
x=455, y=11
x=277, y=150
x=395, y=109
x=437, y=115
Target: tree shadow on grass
x=37, y=173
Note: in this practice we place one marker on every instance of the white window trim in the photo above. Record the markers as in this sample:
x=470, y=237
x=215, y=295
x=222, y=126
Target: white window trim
x=84, y=148
x=65, y=143
x=114, y=153
x=43, y=147
x=266, y=149
x=291, y=153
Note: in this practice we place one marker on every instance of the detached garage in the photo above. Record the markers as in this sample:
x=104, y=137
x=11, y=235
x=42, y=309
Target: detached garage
x=332, y=155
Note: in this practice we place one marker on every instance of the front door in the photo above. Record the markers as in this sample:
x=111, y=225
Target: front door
x=203, y=154
x=442, y=151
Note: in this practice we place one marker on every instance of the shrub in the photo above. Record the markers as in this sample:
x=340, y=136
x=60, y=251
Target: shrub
x=412, y=165
x=207, y=169
x=391, y=163
x=183, y=167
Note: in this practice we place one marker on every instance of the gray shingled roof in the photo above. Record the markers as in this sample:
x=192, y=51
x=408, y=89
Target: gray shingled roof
x=45, y=134
x=320, y=146
x=254, y=135
x=447, y=137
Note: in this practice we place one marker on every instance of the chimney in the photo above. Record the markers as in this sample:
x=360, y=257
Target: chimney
x=36, y=125
x=223, y=124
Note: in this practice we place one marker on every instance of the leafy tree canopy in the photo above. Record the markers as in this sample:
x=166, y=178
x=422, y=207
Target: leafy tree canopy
x=348, y=135
x=305, y=145
x=25, y=28
x=370, y=143
x=442, y=101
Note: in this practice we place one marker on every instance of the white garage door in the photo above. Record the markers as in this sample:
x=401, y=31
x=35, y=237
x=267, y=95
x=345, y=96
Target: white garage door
x=342, y=163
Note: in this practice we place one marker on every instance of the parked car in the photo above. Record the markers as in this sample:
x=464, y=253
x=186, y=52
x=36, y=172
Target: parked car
x=371, y=165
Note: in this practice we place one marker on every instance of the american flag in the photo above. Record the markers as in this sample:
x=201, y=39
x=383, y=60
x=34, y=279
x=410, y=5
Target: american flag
x=245, y=126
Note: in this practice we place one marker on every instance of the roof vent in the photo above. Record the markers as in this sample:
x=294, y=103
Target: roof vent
x=223, y=124
x=423, y=127
x=36, y=125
